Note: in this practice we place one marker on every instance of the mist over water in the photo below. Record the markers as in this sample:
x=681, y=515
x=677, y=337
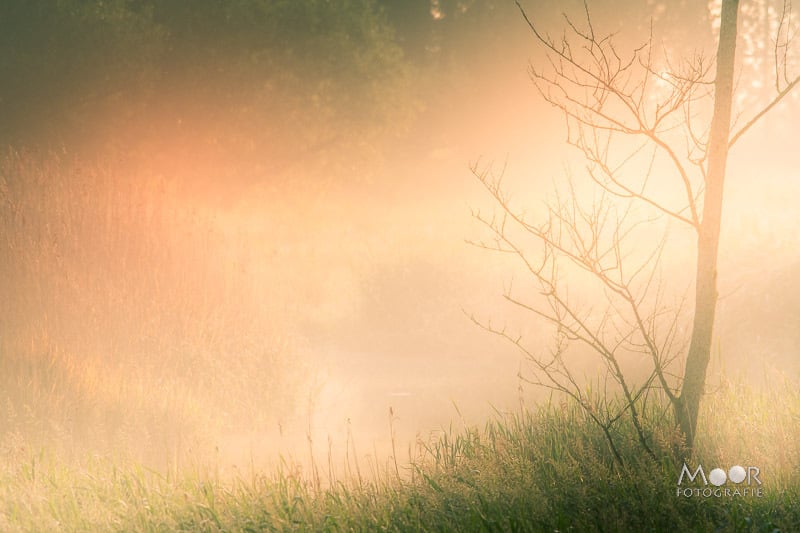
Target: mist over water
x=392, y=283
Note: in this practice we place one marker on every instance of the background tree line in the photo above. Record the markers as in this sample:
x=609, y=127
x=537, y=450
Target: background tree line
x=271, y=82
x=233, y=77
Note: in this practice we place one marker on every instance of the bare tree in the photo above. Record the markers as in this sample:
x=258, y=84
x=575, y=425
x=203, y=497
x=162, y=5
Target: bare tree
x=629, y=114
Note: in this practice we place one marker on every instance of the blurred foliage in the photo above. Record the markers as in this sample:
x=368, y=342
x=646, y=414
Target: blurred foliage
x=61, y=62
x=278, y=80
x=282, y=87
x=289, y=88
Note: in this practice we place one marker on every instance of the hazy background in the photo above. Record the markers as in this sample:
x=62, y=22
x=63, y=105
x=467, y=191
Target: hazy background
x=229, y=226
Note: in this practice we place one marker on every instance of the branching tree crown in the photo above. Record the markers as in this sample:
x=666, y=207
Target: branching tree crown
x=644, y=126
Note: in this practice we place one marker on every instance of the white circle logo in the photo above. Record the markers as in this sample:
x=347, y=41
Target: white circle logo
x=737, y=474
x=717, y=477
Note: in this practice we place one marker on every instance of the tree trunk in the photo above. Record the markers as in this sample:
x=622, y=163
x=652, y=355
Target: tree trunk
x=694, y=376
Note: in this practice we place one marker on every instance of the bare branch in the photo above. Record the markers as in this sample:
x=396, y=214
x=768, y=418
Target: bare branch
x=775, y=101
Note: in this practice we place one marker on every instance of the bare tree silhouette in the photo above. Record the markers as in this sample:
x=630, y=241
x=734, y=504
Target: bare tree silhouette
x=628, y=114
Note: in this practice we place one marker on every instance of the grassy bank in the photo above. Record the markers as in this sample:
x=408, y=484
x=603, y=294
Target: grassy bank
x=136, y=331
x=544, y=470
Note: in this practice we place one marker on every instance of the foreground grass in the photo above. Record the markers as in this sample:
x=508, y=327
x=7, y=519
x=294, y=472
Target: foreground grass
x=546, y=470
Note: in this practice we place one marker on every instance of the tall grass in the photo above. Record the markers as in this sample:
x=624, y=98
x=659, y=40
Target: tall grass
x=127, y=317
x=544, y=470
